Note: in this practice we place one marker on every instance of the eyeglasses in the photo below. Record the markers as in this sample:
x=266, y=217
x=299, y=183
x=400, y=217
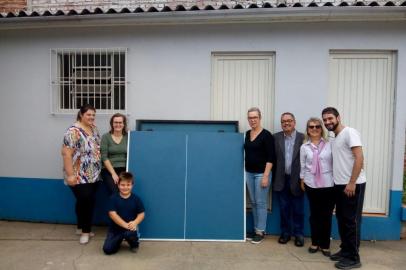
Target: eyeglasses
x=286, y=121
x=313, y=127
x=253, y=117
x=118, y=123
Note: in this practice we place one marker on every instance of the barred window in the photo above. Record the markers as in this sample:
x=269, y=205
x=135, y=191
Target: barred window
x=88, y=76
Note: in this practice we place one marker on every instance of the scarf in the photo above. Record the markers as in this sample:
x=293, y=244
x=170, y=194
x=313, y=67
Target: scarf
x=316, y=164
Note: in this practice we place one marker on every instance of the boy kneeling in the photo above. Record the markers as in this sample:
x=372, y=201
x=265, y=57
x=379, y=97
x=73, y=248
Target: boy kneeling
x=126, y=212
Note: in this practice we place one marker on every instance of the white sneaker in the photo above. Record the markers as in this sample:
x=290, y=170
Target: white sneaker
x=84, y=238
x=79, y=232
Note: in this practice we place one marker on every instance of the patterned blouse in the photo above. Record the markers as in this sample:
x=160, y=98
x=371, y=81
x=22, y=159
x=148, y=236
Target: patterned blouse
x=86, y=154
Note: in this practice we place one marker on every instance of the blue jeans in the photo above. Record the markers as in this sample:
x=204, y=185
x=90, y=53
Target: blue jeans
x=114, y=239
x=259, y=199
x=292, y=211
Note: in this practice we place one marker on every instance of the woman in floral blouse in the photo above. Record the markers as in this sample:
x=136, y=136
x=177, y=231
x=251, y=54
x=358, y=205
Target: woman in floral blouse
x=81, y=162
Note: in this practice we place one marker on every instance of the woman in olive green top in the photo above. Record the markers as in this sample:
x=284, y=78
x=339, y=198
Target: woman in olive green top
x=114, y=151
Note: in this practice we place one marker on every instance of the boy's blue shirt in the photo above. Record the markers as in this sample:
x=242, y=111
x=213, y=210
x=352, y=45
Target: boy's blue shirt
x=127, y=209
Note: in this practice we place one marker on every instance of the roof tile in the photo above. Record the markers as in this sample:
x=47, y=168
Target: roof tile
x=89, y=7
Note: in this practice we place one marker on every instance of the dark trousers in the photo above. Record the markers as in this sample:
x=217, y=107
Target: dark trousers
x=114, y=240
x=292, y=211
x=108, y=179
x=349, y=215
x=85, y=195
x=321, y=202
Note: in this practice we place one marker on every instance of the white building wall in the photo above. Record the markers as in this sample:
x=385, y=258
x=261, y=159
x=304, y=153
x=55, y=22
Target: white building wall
x=169, y=73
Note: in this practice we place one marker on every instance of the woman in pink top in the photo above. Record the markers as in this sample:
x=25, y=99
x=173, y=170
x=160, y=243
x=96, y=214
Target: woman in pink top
x=316, y=174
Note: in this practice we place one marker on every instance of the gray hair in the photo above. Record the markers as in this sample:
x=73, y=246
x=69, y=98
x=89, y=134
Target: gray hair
x=288, y=113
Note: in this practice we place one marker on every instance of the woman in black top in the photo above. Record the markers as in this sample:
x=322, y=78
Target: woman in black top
x=259, y=159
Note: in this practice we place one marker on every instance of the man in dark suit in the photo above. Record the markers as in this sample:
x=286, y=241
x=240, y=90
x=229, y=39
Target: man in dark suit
x=287, y=180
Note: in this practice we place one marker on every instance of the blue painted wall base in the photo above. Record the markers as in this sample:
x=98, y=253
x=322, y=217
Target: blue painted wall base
x=49, y=200
x=44, y=200
x=403, y=213
x=373, y=227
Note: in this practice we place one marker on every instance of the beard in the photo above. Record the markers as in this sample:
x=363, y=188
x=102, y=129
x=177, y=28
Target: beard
x=332, y=127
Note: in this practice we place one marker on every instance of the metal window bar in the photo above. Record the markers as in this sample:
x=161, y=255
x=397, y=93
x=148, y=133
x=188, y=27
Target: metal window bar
x=125, y=79
x=81, y=78
x=75, y=79
x=87, y=76
x=94, y=77
x=100, y=70
x=103, y=67
x=119, y=79
x=113, y=80
x=107, y=81
x=71, y=103
x=72, y=78
x=60, y=80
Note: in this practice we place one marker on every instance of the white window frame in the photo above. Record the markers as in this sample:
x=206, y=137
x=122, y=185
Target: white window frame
x=88, y=83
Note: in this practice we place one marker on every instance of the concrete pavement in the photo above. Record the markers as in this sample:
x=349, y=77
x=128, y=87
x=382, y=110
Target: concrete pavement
x=25, y=245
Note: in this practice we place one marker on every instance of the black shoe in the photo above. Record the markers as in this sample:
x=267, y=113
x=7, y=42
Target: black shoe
x=326, y=252
x=249, y=236
x=348, y=264
x=283, y=239
x=299, y=241
x=313, y=249
x=337, y=256
x=258, y=238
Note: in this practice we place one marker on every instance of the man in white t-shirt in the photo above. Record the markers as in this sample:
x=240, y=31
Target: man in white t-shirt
x=349, y=187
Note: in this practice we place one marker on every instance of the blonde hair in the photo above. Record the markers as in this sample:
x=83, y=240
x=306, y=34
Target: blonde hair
x=255, y=109
x=324, y=133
